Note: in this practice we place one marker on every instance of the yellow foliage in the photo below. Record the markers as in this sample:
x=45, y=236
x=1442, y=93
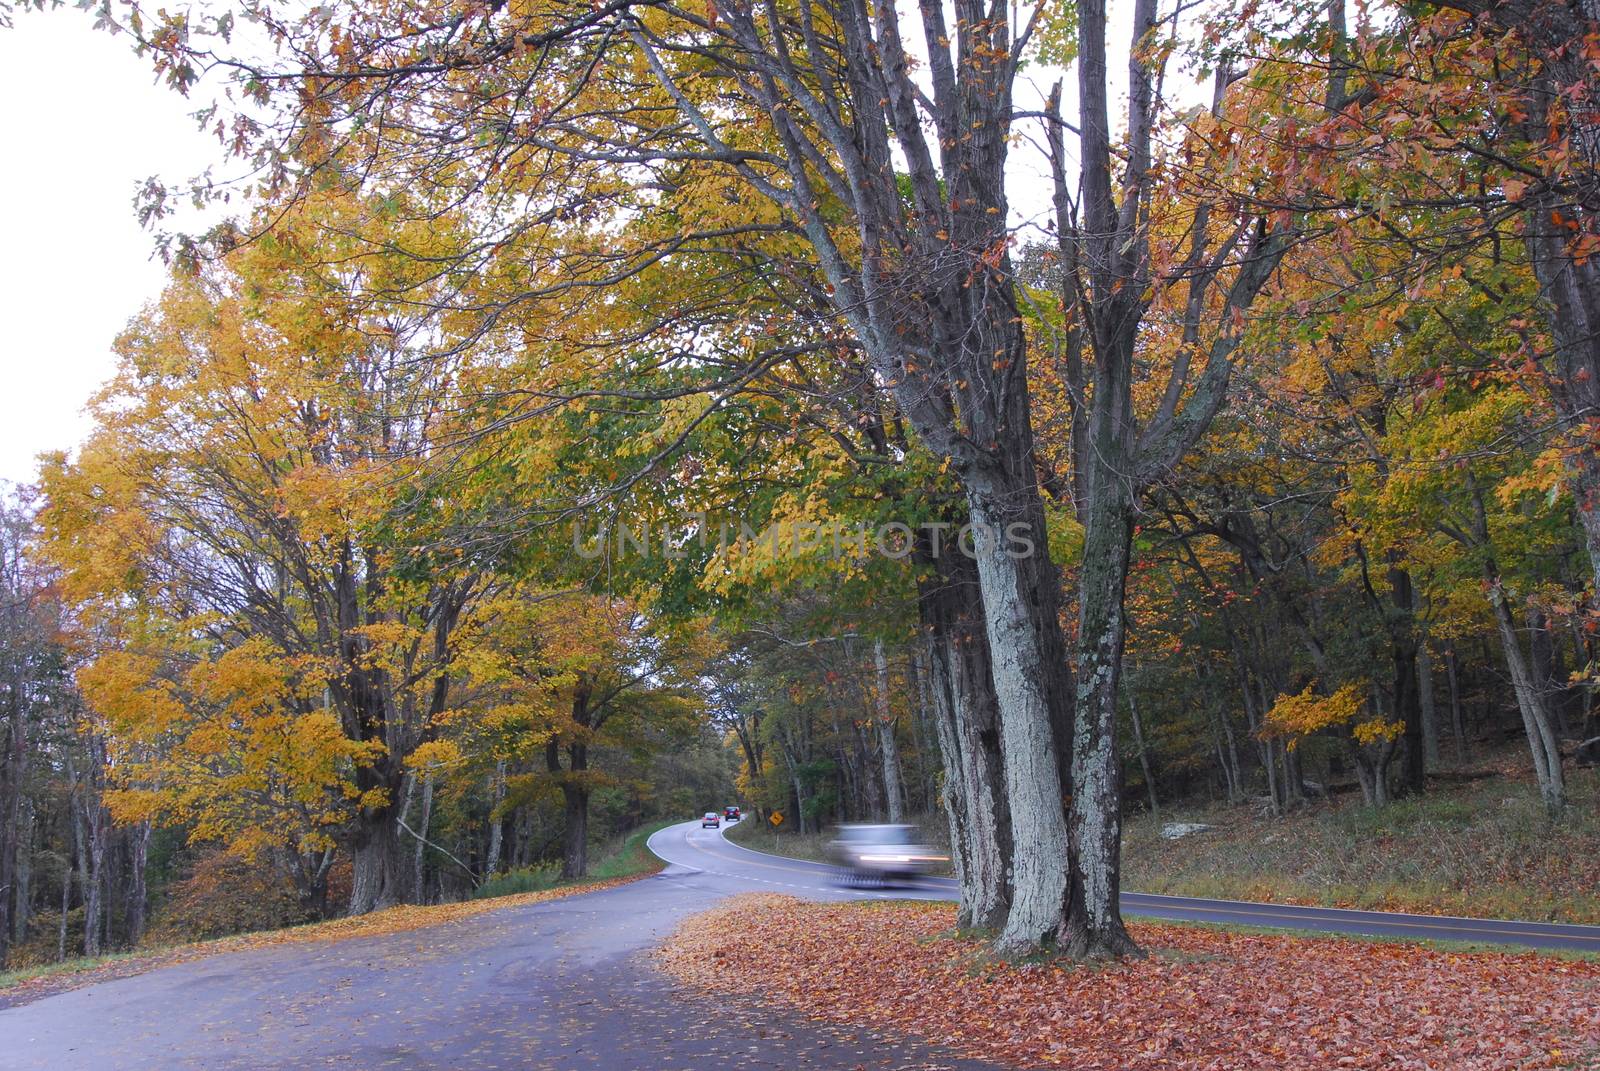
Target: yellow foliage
x=1299, y=716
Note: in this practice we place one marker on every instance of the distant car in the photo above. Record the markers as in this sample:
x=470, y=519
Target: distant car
x=711, y=820
x=732, y=814
x=880, y=854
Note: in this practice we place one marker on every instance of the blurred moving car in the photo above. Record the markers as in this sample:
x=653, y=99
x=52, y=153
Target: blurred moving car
x=732, y=814
x=879, y=854
x=712, y=820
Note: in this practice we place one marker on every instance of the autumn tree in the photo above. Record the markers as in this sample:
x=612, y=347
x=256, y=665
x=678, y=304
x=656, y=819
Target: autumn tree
x=574, y=674
x=273, y=584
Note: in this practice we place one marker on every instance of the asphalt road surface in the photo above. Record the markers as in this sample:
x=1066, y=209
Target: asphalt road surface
x=561, y=986
x=708, y=851
x=564, y=985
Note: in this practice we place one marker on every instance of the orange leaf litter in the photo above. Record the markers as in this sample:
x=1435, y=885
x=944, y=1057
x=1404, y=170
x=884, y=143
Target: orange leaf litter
x=1204, y=999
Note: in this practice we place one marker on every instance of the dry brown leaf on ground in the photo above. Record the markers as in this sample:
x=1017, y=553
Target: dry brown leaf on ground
x=1204, y=1000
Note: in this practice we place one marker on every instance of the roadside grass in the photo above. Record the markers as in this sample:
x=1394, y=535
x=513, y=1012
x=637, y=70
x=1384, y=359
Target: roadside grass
x=624, y=857
x=1478, y=848
x=623, y=861
x=759, y=836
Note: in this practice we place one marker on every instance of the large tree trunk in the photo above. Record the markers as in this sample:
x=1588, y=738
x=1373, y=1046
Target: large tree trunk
x=1093, y=926
x=889, y=751
x=1028, y=665
x=967, y=724
x=379, y=872
x=575, y=839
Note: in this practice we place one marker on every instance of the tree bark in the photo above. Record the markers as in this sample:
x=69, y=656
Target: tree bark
x=138, y=893
x=575, y=841
x=379, y=873
x=11, y=779
x=1144, y=757
x=91, y=872
x=418, y=888
x=1458, y=724
x=1407, y=695
x=1027, y=667
x=1094, y=925
x=497, y=795
x=889, y=751
x=1430, y=710
x=966, y=723
x=1535, y=722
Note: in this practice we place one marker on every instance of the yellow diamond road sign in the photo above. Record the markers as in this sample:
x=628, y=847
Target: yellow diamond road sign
x=776, y=818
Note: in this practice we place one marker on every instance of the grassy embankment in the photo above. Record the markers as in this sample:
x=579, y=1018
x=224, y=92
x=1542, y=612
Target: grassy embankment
x=1478, y=844
x=761, y=837
x=615, y=864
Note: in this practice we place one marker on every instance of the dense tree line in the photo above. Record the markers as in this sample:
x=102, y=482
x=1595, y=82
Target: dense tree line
x=1284, y=387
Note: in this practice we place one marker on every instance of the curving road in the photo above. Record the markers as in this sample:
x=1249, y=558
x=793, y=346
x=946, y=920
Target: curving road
x=565, y=985
x=708, y=850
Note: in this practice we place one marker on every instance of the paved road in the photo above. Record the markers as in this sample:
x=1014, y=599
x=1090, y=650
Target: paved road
x=560, y=986
x=716, y=855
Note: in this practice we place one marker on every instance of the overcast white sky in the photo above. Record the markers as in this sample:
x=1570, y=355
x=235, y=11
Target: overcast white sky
x=83, y=123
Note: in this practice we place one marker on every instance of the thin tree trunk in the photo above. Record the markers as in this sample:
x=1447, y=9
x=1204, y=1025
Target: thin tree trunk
x=138, y=894
x=91, y=873
x=1458, y=725
x=887, y=748
x=66, y=882
x=497, y=795
x=1430, y=712
x=1144, y=757
x=418, y=889
x=23, y=900
x=1535, y=723
x=11, y=779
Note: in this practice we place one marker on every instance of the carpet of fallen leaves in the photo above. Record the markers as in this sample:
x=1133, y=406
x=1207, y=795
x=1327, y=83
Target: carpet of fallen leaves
x=1203, y=999
x=376, y=924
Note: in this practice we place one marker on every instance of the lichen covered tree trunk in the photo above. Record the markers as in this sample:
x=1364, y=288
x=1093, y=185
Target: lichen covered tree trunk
x=1093, y=926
